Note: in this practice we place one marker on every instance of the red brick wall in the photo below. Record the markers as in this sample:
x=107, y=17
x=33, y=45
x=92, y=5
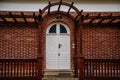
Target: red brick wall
x=22, y=41
x=101, y=42
x=18, y=42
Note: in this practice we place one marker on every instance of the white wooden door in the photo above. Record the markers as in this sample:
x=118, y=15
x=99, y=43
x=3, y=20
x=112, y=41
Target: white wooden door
x=58, y=47
x=64, y=52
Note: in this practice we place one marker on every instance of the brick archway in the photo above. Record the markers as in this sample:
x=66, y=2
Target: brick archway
x=47, y=16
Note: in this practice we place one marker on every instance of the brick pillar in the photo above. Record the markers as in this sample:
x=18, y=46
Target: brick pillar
x=39, y=65
x=80, y=55
x=81, y=67
x=40, y=56
x=75, y=52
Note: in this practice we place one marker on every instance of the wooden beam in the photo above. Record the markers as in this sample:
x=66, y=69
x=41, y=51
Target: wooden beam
x=17, y=16
x=18, y=23
x=34, y=17
x=87, y=15
x=32, y=23
x=98, y=15
x=111, y=21
x=23, y=17
x=3, y=18
x=49, y=7
x=70, y=7
x=82, y=18
x=110, y=16
x=102, y=17
x=101, y=21
x=95, y=18
x=78, y=15
x=40, y=14
x=59, y=5
x=12, y=17
x=91, y=20
x=40, y=11
x=102, y=24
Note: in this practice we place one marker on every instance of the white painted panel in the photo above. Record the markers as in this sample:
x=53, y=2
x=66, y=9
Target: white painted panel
x=64, y=51
x=51, y=52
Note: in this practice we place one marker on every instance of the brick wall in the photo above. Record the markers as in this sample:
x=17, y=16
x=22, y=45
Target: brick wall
x=22, y=41
x=101, y=42
x=18, y=42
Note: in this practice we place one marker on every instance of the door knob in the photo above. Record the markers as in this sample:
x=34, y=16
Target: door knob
x=58, y=54
x=59, y=45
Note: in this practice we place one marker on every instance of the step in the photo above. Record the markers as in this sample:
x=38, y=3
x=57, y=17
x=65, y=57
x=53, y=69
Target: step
x=54, y=78
x=58, y=73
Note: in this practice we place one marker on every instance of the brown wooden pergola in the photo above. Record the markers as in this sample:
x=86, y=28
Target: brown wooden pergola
x=81, y=17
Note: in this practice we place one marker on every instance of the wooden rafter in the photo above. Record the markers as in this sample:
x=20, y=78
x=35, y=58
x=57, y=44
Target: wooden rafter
x=49, y=7
x=110, y=15
x=23, y=17
x=20, y=23
x=16, y=16
x=40, y=11
x=12, y=17
x=70, y=7
x=102, y=17
x=101, y=21
x=94, y=18
x=40, y=14
x=3, y=18
x=111, y=21
x=59, y=5
x=81, y=20
x=91, y=20
x=87, y=15
x=34, y=17
x=80, y=12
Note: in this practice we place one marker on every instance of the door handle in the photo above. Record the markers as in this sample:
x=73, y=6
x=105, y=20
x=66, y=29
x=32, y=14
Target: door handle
x=59, y=45
x=58, y=54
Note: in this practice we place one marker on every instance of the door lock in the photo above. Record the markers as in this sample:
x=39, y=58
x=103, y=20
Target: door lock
x=59, y=45
x=58, y=54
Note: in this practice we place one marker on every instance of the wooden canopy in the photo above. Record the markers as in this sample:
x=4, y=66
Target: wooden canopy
x=8, y=17
x=79, y=17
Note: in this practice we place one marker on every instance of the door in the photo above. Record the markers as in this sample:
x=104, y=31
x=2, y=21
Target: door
x=58, y=46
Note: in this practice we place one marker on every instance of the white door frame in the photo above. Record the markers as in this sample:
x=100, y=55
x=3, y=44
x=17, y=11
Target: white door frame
x=50, y=62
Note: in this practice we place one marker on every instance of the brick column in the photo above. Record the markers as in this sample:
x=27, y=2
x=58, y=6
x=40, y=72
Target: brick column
x=40, y=56
x=81, y=67
x=75, y=51
x=80, y=55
